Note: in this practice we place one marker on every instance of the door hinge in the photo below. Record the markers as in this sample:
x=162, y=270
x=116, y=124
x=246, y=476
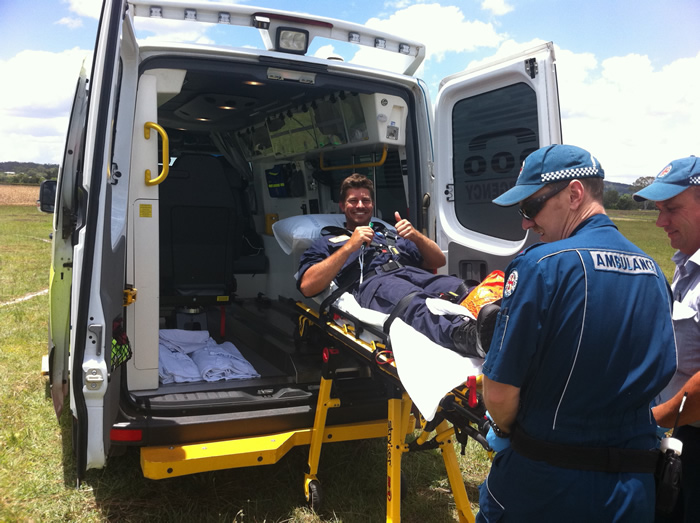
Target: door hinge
x=531, y=67
x=450, y=192
x=129, y=296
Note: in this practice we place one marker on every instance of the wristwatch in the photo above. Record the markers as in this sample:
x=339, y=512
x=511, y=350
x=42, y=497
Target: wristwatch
x=498, y=432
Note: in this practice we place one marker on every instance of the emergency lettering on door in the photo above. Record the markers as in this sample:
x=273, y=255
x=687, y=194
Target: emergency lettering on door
x=620, y=262
x=486, y=191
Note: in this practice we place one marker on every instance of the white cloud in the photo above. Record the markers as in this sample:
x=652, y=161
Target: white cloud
x=497, y=7
x=442, y=29
x=71, y=23
x=327, y=51
x=87, y=8
x=633, y=117
x=34, y=108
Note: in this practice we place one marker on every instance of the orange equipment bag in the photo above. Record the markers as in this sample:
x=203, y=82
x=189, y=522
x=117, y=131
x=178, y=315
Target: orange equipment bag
x=488, y=291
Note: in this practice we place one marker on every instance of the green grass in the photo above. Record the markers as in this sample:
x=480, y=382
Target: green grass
x=639, y=227
x=37, y=475
x=25, y=251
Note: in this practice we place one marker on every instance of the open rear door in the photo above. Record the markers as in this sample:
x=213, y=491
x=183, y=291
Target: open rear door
x=99, y=252
x=64, y=223
x=487, y=121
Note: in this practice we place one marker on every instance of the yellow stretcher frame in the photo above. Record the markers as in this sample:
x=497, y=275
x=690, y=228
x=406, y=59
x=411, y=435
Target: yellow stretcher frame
x=160, y=462
x=400, y=422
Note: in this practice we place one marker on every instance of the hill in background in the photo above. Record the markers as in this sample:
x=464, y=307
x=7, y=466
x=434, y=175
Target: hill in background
x=621, y=188
x=27, y=172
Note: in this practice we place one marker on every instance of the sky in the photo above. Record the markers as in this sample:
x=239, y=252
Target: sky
x=628, y=70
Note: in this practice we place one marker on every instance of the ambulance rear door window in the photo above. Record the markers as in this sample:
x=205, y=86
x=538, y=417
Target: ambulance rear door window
x=492, y=132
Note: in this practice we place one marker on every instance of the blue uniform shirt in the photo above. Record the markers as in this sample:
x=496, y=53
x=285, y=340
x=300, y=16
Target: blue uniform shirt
x=376, y=255
x=585, y=331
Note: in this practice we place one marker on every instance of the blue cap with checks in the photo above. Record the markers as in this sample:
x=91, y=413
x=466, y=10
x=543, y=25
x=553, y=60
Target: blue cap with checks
x=547, y=165
x=675, y=178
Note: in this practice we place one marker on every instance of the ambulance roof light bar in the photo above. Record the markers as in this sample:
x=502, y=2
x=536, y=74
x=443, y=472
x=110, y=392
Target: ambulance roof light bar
x=281, y=30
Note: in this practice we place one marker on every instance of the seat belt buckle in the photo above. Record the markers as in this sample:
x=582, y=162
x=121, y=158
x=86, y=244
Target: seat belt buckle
x=449, y=296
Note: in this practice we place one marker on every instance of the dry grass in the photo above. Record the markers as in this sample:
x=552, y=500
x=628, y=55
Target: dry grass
x=19, y=194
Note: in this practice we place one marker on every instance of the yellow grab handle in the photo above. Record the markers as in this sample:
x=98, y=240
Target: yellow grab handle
x=166, y=153
x=378, y=163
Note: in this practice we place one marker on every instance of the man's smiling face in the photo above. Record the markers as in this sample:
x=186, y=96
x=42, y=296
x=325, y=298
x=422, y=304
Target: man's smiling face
x=357, y=207
x=680, y=218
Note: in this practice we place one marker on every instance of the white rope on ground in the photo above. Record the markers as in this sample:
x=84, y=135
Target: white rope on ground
x=25, y=298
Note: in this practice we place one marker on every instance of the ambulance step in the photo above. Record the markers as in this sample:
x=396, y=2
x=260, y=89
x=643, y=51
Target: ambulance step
x=180, y=460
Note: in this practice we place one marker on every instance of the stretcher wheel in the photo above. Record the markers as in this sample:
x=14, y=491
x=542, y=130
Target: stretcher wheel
x=315, y=495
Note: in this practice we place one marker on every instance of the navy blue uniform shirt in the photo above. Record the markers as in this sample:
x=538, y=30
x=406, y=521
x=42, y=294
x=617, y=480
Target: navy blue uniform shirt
x=585, y=331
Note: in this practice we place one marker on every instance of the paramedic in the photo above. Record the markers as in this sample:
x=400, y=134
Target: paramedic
x=582, y=345
x=676, y=191
x=392, y=268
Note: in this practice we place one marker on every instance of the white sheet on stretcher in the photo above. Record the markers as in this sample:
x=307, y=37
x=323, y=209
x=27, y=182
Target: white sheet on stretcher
x=427, y=370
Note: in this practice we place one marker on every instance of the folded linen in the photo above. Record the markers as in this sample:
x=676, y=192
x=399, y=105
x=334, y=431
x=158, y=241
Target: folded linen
x=176, y=367
x=183, y=340
x=222, y=362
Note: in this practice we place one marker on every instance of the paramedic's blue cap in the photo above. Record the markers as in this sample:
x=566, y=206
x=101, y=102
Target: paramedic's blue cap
x=547, y=165
x=675, y=178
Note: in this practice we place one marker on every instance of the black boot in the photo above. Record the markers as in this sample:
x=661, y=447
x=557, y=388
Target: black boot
x=485, y=325
x=464, y=340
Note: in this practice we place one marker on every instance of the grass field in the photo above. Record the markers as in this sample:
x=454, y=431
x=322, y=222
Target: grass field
x=639, y=227
x=37, y=479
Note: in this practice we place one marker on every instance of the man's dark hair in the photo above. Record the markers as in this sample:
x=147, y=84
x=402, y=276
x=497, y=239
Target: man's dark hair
x=595, y=186
x=356, y=181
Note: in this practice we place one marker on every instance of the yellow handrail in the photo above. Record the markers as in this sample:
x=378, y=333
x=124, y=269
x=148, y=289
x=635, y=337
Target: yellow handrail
x=378, y=163
x=166, y=153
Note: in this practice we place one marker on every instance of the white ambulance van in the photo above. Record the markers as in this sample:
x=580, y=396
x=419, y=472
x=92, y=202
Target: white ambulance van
x=179, y=160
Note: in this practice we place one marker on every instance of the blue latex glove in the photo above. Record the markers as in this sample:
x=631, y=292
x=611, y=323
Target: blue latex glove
x=496, y=443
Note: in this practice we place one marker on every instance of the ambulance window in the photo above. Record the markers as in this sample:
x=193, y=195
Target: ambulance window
x=492, y=133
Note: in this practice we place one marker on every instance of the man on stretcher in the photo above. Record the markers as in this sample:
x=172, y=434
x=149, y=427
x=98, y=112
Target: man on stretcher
x=389, y=272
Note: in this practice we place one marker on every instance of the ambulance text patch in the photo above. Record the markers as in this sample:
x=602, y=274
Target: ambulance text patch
x=622, y=262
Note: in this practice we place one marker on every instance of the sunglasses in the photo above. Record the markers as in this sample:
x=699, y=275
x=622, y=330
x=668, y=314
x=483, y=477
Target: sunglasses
x=530, y=208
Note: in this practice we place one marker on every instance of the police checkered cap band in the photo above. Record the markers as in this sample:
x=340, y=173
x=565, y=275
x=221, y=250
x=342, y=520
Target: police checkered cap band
x=547, y=165
x=695, y=180
x=566, y=174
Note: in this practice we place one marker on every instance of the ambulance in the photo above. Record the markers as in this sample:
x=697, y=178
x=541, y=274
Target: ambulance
x=180, y=161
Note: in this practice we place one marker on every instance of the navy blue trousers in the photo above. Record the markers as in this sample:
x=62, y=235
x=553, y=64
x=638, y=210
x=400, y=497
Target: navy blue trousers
x=383, y=291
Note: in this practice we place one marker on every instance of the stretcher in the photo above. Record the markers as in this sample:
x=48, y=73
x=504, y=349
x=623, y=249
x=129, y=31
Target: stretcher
x=447, y=413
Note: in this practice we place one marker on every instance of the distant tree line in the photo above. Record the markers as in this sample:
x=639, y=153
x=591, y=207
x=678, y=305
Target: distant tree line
x=612, y=199
x=27, y=173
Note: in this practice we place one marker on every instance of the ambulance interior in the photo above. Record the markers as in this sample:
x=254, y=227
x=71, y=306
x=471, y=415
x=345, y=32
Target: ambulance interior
x=249, y=146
